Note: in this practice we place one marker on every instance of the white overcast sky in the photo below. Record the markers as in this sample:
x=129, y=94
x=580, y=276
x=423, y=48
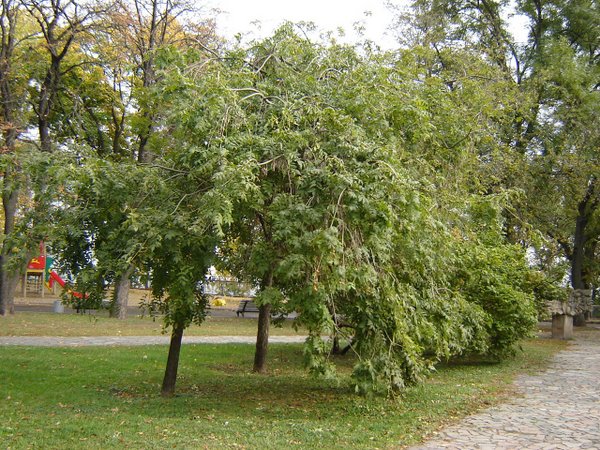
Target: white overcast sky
x=258, y=18
x=238, y=16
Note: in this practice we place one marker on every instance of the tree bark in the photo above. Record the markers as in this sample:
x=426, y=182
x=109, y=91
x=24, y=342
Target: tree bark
x=264, y=323
x=8, y=285
x=10, y=189
x=48, y=92
x=121, y=294
x=580, y=241
x=8, y=279
x=262, y=338
x=335, y=346
x=170, y=379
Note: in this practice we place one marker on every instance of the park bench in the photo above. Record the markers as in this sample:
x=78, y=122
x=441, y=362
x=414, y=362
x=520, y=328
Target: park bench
x=249, y=306
x=246, y=306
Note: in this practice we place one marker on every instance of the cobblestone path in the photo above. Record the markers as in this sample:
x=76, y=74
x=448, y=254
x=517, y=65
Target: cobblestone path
x=40, y=341
x=558, y=409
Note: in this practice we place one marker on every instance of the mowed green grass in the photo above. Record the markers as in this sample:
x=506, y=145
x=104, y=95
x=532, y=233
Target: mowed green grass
x=99, y=398
x=50, y=324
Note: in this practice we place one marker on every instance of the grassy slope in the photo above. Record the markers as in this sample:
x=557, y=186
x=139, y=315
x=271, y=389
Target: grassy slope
x=107, y=398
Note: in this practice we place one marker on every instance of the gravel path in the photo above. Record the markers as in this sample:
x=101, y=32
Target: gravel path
x=559, y=409
x=42, y=341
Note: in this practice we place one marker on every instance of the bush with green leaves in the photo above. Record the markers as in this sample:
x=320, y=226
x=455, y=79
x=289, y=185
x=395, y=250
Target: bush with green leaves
x=495, y=276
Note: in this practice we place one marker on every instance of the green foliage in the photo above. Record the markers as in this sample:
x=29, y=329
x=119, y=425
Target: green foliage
x=367, y=192
x=99, y=234
x=29, y=171
x=346, y=219
x=338, y=217
x=545, y=290
x=494, y=280
x=494, y=275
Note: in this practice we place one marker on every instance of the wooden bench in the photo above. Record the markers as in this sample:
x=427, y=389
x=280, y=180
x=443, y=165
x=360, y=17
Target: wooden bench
x=246, y=306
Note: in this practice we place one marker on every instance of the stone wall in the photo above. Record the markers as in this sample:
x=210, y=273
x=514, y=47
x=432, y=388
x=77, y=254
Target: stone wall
x=579, y=302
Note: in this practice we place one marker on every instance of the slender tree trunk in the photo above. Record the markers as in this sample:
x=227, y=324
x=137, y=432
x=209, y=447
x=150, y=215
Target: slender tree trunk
x=335, y=336
x=168, y=385
x=45, y=103
x=262, y=334
x=577, y=281
x=121, y=294
x=8, y=285
x=262, y=338
x=335, y=346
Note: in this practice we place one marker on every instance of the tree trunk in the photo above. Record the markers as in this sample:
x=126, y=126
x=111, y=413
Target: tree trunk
x=10, y=187
x=8, y=280
x=168, y=385
x=262, y=338
x=48, y=92
x=335, y=346
x=577, y=281
x=8, y=285
x=121, y=294
x=580, y=241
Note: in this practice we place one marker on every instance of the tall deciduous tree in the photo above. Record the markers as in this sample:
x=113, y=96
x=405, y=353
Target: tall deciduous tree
x=551, y=136
x=202, y=174
x=60, y=23
x=143, y=28
x=16, y=72
x=113, y=110
x=13, y=121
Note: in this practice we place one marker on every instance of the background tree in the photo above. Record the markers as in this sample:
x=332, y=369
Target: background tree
x=13, y=120
x=60, y=23
x=112, y=109
x=548, y=124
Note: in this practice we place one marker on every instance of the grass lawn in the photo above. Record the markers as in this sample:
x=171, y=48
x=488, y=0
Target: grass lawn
x=49, y=324
x=98, y=398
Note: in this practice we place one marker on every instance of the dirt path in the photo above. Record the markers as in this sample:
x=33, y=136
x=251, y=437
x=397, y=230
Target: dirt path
x=42, y=341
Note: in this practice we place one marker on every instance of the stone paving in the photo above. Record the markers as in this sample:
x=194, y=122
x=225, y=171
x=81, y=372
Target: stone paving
x=558, y=409
x=44, y=341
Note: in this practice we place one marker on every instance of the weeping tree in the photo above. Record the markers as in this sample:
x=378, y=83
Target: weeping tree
x=297, y=145
x=343, y=220
x=294, y=165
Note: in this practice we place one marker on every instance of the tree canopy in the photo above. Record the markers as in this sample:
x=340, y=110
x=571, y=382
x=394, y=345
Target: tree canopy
x=417, y=204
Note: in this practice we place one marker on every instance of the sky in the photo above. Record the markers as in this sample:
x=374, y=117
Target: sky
x=237, y=16
x=258, y=18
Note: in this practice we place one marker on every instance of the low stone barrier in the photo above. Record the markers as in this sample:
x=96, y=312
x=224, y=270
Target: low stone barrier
x=579, y=302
